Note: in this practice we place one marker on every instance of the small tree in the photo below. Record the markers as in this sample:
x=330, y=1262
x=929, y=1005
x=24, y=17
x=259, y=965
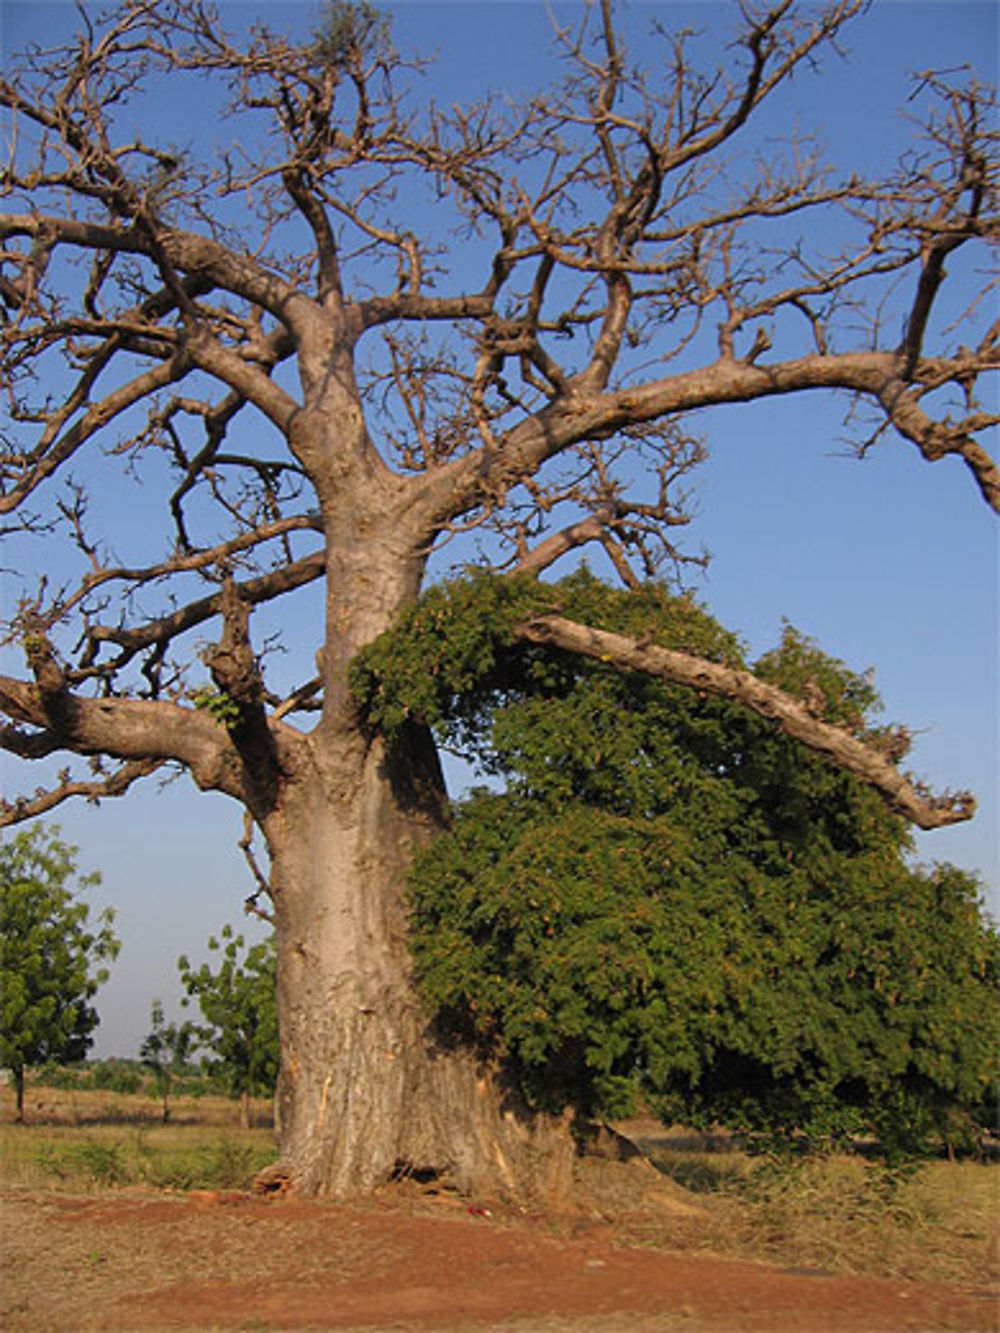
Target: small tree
x=238, y=1003
x=671, y=899
x=166, y=1051
x=50, y=955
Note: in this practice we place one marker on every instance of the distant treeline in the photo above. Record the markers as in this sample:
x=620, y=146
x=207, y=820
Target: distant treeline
x=128, y=1076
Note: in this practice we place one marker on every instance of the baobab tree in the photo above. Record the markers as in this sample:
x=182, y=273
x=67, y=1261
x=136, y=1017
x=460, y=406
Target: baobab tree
x=362, y=328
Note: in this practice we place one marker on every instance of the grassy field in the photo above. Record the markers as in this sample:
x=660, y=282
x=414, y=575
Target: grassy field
x=87, y=1140
x=840, y=1214
x=935, y=1222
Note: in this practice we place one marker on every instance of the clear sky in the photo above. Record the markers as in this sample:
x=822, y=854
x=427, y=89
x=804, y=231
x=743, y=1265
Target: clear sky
x=888, y=562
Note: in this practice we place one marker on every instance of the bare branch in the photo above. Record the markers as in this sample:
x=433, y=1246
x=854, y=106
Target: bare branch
x=129, y=729
x=546, y=553
x=133, y=640
x=833, y=743
x=117, y=783
x=459, y=485
x=215, y=556
x=55, y=448
x=250, y=904
x=185, y=252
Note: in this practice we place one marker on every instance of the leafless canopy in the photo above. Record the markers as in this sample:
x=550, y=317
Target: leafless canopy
x=365, y=323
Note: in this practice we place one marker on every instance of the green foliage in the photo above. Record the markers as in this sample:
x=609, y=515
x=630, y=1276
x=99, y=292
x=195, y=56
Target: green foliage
x=98, y=1163
x=219, y=705
x=50, y=954
x=442, y=657
x=239, y=1005
x=223, y=1164
x=115, y=1076
x=349, y=31
x=53, y=1075
x=450, y=660
x=672, y=900
x=229, y=1165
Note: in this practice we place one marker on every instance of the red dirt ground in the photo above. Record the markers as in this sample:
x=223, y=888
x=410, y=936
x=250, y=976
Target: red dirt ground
x=132, y=1263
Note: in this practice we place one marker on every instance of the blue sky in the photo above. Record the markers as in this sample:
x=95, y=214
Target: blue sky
x=888, y=562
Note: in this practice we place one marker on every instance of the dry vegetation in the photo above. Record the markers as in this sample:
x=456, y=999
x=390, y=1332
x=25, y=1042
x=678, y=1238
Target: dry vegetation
x=938, y=1222
x=842, y=1214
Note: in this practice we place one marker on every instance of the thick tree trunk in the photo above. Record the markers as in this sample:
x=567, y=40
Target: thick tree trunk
x=366, y=1092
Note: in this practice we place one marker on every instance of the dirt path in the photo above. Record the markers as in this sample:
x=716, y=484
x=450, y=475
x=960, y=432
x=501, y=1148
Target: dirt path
x=232, y=1262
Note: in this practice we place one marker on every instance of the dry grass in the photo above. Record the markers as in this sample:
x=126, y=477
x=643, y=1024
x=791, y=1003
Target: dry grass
x=937, y=1222
x=840, y=1214
x=45, y=1106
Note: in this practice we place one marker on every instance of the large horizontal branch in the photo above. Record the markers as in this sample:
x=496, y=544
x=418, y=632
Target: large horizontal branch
x=127, y=729
x=417, y=306
x=789, y=714
x=458, y=486
x=144, y=733
x=187, y=253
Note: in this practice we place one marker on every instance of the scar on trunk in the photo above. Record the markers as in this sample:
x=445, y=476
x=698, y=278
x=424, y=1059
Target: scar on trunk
x=321, y=1115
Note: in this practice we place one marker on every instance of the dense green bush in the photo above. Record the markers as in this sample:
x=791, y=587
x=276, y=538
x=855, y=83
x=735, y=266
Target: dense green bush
x=671, y=899
x=115, y=1076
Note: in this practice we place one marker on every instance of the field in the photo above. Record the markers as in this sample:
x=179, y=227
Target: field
x=114, y=1220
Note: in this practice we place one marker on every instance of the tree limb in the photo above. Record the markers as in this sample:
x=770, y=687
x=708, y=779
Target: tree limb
x=457, y=486
x=253, y=591
x=236, y=672
x=129, y=729
x=792, y=717
x=115, y=784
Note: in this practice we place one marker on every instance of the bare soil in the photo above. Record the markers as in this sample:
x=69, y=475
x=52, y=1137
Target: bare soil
x=215, y=1260
x=640, y=1255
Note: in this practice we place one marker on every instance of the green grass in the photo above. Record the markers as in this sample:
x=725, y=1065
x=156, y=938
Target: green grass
x=104, y=1156
x=89, y=1140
